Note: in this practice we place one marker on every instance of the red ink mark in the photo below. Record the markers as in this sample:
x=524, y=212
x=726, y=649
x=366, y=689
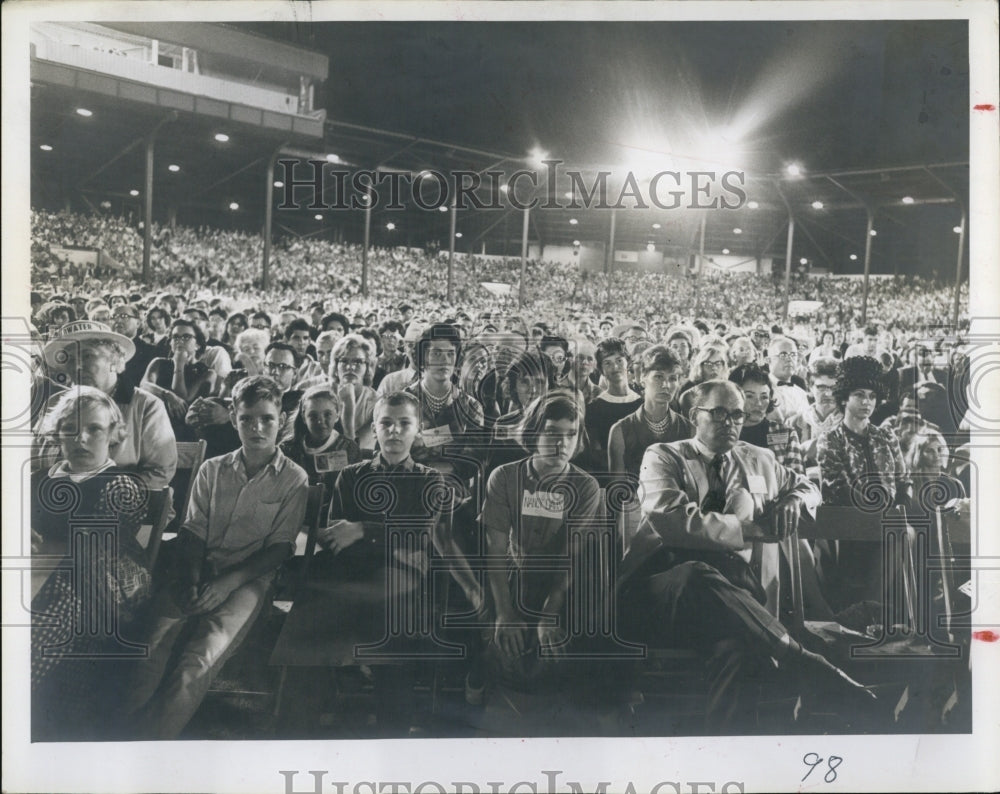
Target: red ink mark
x=986, y=636
x=984, y=107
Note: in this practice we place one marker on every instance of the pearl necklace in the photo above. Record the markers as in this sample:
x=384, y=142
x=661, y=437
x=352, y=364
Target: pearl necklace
x=658, y=428
x=435, y=403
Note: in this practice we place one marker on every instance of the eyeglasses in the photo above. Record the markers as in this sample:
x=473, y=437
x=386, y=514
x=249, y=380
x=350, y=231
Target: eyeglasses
x=822, y=387
x=182, y=337
x=274, y=366
x=787, y=355
x=713, y=364
x=720, y=414
x=352, y=362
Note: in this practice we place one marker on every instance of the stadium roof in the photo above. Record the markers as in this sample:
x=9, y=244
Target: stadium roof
x=448, y=97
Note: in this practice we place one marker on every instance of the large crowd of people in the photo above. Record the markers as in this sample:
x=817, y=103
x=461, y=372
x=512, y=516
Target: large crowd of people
x=472, y=430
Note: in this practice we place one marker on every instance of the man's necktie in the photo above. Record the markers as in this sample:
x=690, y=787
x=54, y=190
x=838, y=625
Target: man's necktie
x=715, y=499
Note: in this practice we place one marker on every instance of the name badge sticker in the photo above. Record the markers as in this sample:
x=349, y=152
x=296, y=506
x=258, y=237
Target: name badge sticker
x=331, y=461
x=543, y=504
x=778, y=438
x=436, y=436
x=756, y=483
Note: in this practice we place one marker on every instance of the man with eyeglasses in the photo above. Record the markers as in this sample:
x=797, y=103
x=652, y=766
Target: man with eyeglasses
x=790, y=397
x=703, y=568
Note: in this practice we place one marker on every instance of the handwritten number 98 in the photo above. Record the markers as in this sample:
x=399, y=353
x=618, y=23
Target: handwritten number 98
x=812, y=760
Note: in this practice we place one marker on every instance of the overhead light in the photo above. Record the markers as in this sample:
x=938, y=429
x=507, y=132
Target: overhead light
x=279, y=183
x=538, y=156
x=725, y=250
x=576, y=242
x=569, y=194
x=907, y=199
x=656, y=226
x=956, y=229
x=105, y=205
x=504, y=188
x=753, y=205
x=793, y=169
x=173, y=167
x=45, y=147
x=318, y=217
x=650, y=247
x=874, y=233
x=458, y=235
x=854, y=257
x=133, y=192
x=817, y=205
x=390, y=226
x=442, y=208
x=84, y=112
x=737, y=230
x=803, y=261
x=233, y=206
x=333, y=158
x=573, y=221
x=221, y=137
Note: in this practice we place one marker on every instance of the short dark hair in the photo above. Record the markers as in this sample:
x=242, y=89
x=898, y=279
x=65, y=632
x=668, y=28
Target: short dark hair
x=525, y=365
x=612, y=346
x=199, y=335
x=871, y=330
x=296, y=356
x=659, y=357
x=218, y=311
x=439, y=332
x=552, y=406
x=551, y=340
x=261, y=316
x=750, y=373
x=298, y=324
x=334, y=317
x=256, y=388
x=392, y=325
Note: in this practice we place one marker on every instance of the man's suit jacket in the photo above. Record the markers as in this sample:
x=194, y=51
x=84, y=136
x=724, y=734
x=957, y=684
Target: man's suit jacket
x=673, y=483
x=910, y=376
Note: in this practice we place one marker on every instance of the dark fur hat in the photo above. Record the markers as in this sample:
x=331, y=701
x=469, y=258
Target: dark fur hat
x=858, y=372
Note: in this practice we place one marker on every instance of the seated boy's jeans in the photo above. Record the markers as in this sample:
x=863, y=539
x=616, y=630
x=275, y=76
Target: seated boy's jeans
x=163, y=701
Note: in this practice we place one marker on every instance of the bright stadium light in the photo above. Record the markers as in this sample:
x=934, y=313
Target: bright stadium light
x=133, y=192
x=233, y=206
x=442, y=208
x=737, y=230
x=956, y=229
x=333, y=158
x=458, y=235
x=576, y=243
x=318, y=217
x=803, y=261
x=656, y=226
x=173, y=167
x=874, y=233
x=907, y=199
x=854, y=257
x=725, y=250
x=650, y=247
x=84, y=112
x=793, y=170
x=221, y=137
x=390, y=226
x=817, y=205
x=753, y=205
x=278, y=183
x=537, y=157
x=504, y=188
x=573, y=221
x=45, y=147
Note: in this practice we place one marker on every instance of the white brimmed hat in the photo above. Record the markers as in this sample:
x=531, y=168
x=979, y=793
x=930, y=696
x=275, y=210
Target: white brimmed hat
x=83, y=331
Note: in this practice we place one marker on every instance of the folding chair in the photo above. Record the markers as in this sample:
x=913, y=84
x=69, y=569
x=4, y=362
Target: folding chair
x=190, y=456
